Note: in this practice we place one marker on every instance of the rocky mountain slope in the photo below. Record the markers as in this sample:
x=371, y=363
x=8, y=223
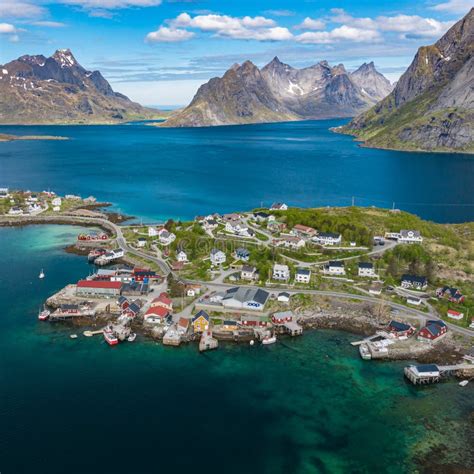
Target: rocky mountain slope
x=36, y=89
x=279, y=92
x=432, y=105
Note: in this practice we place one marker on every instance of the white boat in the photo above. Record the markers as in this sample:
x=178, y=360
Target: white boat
x=269, y=340
x=41, y=275
x=364, y=352
x=73, y=336
x=44, y=314
x=110, y=337
x=132, y=337
x=463, y=383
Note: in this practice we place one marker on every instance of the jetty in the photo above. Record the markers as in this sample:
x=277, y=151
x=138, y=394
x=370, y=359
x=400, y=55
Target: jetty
x=431, y=373
x=207, y=342
x=89, y=333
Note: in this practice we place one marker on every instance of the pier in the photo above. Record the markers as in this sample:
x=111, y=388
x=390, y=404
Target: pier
x=432, y=373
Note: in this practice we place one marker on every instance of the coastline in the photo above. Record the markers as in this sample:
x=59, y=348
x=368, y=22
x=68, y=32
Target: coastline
x=363, y=143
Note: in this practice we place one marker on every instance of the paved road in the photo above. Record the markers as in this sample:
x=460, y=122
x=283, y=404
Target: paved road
x=422, y=317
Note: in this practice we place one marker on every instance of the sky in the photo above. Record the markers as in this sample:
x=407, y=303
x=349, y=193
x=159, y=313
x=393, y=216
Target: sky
x=158, y=52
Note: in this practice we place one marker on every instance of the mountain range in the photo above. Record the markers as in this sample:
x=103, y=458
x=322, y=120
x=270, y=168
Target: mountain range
x=279, y=92
x=36, y=89
x=432, y=105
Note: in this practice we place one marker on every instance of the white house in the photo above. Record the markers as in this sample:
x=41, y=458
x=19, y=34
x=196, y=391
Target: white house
x=328, y=238
x=366, y=269
x=248, y=272
x=166, y=237
x=57, y=201
x=283, y=297
x=279, y=206
x=413, y=300
x=141, y=242
x=335, y=268
x=238, y=228
x=290, y=241
x=241, y=297
x=281, y=272
x=303, y=275
x=152, y=231
x=410, y=237
x=15, y=211
x=217, y=257
x=181, y=256
x=414, y=282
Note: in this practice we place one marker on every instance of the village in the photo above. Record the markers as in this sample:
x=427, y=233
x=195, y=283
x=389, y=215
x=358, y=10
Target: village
x=239, y=277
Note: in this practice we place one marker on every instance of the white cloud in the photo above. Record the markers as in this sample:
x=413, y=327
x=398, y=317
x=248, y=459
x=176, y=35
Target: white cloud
x=168, y=35
x=111, y=4
x=454, y=6
x=7, y=28
x=19, y=9
x=11, y=31
x=407, y=25
x=256, y=28
x=49, y=24
x=414, y=24
x=311, y=24
x=342, y=33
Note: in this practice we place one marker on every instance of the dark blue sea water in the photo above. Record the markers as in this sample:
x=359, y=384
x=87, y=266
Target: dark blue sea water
x=304, y=405
x=157, y=173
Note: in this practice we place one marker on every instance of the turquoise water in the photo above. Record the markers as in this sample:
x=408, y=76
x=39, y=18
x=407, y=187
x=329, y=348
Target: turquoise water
x=157, y=173
x=305, y=405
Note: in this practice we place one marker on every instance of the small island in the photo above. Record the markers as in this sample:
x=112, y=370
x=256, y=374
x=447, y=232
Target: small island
x=402, y=283
x=9, y=138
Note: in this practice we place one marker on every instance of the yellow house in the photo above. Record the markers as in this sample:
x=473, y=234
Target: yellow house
x=201, y=321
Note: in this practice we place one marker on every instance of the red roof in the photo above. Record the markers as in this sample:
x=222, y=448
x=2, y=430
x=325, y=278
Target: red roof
x=163, y=298
x=117, y=285
x=157, y=311
x=454, y=313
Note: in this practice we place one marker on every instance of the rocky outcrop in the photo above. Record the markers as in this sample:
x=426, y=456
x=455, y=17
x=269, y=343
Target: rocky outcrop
x=279, y=92
x=432, y=105
x=37, y=89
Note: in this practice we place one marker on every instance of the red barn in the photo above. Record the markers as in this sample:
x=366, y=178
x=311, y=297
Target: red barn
x=433, y=330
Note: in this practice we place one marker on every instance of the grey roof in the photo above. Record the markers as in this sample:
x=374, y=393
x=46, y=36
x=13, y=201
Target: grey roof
x=336, y=263
x=366, y=265
x=248, y=268
x=427, y=368
x=199, y=314
x=405, y=232
x=284, y=293
x=415, y=278
x=329, y=234
x=243, y=294
x=303, y=271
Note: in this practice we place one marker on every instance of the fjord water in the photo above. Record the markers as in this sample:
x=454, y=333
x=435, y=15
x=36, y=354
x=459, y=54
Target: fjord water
x=157, y=173
x=304, y=405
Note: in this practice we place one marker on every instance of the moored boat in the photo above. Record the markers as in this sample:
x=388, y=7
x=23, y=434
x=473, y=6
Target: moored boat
x=44, y=314
x=110, y=337
x=365, y=352
x=41, y=275
x=132, y=337
x=269, y=340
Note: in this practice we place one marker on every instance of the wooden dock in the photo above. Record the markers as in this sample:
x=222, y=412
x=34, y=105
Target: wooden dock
x=432, y=373
x=207, y=342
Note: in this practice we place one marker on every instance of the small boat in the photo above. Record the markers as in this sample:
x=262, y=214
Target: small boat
x=44, y=314
x=73, y=336
x=269, y=340
x=463, y=383
x=132, y=337
x=365, y=352
x=110, y=337
x=41, y=275
x=252, y=342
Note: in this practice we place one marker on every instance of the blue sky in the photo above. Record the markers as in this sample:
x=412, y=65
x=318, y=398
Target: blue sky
x=160, y=51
